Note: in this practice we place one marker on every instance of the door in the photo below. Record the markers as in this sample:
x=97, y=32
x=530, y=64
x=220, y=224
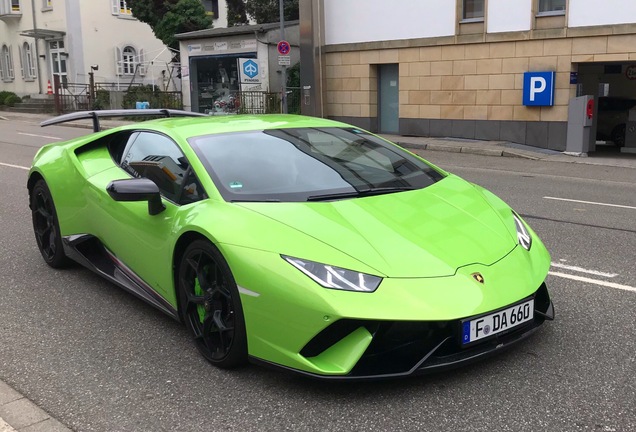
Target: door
x=388, y=98
x=143, y=242
x=58, y=62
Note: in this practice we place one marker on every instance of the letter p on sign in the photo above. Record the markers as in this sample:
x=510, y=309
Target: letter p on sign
x=538, y=88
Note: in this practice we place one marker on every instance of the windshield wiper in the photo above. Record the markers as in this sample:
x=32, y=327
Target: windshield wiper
x=360, y=193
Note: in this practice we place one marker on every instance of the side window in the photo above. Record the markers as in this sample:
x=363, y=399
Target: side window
x=159, y=159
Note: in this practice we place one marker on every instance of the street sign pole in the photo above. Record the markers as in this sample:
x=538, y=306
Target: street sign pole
x=284, y=70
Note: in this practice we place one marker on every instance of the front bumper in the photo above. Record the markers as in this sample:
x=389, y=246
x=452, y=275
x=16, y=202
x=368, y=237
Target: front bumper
x=405, y=348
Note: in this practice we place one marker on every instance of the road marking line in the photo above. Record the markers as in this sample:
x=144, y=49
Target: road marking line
x=14, y=166
x=39, y=136
x=591, y=202
x=594, y=281
x=582, y=270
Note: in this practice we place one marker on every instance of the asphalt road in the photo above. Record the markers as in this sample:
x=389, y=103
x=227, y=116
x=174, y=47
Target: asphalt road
x=98, y=359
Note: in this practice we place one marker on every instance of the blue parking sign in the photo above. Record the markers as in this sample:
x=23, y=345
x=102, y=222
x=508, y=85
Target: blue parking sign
x=538, y=88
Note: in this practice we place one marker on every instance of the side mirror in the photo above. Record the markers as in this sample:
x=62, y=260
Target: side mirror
x=138, y=189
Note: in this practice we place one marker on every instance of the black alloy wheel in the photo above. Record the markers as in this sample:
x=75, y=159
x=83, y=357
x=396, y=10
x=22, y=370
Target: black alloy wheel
x=46, y=226
x=211, y=307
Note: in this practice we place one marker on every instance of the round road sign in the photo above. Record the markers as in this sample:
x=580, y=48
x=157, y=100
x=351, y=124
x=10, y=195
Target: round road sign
x=283, y=47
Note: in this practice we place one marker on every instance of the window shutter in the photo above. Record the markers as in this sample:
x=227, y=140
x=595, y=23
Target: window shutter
x=119, y=67
x=33, y=60
x=10, y=66
x=142, y=62
x=23, y=61
x=115, y=5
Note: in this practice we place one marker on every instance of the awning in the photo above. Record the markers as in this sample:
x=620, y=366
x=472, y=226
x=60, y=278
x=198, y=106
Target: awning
x=43, y=34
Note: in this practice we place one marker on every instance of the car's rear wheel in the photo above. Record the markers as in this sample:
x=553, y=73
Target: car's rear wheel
x=618, y=135
x=46, y=226
x=210, y=305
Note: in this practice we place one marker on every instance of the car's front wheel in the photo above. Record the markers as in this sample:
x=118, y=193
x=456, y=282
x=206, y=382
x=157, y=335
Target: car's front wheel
x=210, y=305
x=46, y=226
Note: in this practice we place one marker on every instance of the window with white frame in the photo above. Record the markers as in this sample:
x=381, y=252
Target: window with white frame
x=6, y=64
x=473, y=10
x=27, y=61
x=47, y=5
x=129, y=61
x=552, y=6
x=15, y=5
x=121, y=8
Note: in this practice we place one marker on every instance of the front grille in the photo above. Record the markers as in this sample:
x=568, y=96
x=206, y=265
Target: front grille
x=402, y=347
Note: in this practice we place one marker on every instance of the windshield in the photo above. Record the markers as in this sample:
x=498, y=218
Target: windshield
x=308, y=164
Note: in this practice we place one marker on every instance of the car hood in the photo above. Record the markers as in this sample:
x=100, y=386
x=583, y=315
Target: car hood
x=429, y=232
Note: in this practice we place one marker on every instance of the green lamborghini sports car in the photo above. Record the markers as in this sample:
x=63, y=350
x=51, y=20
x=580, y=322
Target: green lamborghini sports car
x=291, y=241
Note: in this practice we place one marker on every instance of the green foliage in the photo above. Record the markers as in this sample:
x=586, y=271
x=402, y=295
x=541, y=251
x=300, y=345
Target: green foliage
x=102, y=99
x=293, y=76
x=170, y=17
x=236, y=14
x=152, y=95
x=9, y=98
x=268, y=11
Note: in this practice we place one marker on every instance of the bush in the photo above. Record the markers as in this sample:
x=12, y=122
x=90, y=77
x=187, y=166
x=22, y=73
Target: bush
x=102, y=100
x=152, y=95
x=8, y=96
x=11, y=99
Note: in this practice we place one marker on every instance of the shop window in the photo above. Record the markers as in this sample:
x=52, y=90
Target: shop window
x=551, y=7
x=473, y=10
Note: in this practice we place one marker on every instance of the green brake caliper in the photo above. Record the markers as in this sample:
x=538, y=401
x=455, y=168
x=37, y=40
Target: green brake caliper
x=199, y=292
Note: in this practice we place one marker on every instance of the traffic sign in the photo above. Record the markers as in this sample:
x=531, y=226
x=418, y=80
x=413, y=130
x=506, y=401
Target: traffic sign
x=284, y=60
x=284, y=48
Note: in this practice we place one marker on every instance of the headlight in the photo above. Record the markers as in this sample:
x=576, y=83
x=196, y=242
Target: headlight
x=335, y=277
x=523, y=236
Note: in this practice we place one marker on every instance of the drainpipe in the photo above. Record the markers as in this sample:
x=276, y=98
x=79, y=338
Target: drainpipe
x=37, y=50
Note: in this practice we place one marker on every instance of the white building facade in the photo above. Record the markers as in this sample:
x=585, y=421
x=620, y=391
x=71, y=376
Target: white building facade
x=41, y=39
x=457, y=67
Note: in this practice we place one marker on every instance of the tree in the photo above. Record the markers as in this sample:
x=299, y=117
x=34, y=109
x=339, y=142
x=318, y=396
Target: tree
x=268, y=11
x=170, y=17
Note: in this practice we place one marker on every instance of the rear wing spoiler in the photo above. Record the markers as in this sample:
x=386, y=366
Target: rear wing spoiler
x=96, y=115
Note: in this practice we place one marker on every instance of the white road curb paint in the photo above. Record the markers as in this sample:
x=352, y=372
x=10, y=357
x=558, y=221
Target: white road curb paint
x=590, y=202
x=39, y=136
x=595, y=281
x=14, y=166
x=582, y=270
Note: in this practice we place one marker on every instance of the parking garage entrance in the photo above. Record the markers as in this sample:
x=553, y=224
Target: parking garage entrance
x=614, y=87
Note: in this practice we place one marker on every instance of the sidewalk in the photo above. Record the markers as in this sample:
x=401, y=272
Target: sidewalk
x=18, y=414
x=606, y=155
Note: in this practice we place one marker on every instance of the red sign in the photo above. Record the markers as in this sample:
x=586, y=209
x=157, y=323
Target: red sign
x=630, y=72
x=283, y=48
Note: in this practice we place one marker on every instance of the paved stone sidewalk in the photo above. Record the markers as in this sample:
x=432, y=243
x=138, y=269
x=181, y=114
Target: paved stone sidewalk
x=18, y=414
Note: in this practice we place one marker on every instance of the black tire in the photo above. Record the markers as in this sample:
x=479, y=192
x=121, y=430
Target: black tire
x=210, y=305
x=618, y=135
x=46, y=226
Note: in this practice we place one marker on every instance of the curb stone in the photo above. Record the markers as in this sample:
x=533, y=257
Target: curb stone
x=19, y=414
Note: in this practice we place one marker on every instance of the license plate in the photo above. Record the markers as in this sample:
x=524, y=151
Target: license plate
x=497, y=322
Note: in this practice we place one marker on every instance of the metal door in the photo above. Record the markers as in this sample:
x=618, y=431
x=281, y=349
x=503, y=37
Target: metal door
x=388, y=98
